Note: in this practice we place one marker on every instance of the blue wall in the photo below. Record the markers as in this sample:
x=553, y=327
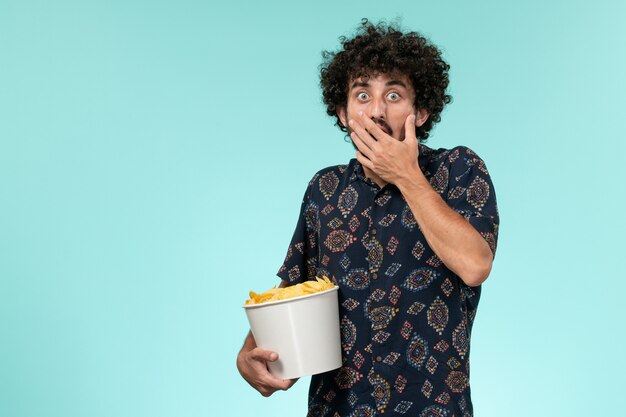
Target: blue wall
x=153, y=156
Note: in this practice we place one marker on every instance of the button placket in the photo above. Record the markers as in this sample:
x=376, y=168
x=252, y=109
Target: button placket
x=375, y=283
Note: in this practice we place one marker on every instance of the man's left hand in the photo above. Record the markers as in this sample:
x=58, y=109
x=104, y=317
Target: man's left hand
x=391, y=159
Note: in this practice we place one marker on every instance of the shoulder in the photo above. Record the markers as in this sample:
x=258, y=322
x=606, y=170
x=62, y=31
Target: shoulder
x=459, y=157
x=467, y=158
x=436, y=157
x=462, y=152
x=448, y=155
x=331, y=174
x=467, y=171
x=328, y=181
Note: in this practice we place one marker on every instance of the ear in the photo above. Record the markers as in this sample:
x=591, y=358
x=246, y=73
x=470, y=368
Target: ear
x=341, y=112
x=421, y=116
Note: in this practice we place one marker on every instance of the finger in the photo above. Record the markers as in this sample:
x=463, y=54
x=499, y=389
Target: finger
x=373, y=128
x=275, y=383
x=291, y=382
x=364, y=161
x=264, y=376
x=409, y=128
x=367, y=139
x=263, y=355
x=361, y=146
x=272, y=383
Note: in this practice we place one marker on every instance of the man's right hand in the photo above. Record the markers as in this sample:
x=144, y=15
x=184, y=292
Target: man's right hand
x=252, y=365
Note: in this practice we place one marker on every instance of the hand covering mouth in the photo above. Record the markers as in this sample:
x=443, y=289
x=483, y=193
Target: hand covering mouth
x=382, y=125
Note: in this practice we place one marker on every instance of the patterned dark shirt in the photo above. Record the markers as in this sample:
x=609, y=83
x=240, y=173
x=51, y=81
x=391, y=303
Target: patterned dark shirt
x=406, y=319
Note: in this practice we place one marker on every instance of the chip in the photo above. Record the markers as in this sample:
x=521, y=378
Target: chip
x=305, y=288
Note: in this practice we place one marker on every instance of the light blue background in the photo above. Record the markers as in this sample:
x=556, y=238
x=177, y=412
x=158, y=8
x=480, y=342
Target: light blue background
x=153, y=156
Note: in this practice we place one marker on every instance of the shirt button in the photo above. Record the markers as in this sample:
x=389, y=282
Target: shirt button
x=374, y=231
x=379, y=359
x=374, y=275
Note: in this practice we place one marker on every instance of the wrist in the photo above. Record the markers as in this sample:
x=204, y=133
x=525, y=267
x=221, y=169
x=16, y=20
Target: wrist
x=413, y=182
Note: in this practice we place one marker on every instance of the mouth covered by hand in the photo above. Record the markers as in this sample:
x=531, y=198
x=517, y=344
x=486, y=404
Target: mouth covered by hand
x=382, y=124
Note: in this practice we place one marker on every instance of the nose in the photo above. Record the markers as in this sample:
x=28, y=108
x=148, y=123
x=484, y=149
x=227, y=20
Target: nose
x=378, y=108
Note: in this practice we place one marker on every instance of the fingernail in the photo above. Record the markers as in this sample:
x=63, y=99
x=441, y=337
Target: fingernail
x=360, y=113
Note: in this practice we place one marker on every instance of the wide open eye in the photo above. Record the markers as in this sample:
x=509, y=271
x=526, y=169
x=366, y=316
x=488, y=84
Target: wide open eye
x=363, y=96
x=393, y=96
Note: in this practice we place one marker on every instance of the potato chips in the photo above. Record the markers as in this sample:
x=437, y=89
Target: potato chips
x=305, y=288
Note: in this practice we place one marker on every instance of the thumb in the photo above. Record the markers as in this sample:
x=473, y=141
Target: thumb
x=409, y=128
x=265, y=355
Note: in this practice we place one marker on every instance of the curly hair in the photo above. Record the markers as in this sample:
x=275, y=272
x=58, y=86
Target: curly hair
x=384, y=49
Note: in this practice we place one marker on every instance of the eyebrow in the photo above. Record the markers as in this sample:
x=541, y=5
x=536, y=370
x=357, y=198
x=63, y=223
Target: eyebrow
x=396, y=82
x=387, y=84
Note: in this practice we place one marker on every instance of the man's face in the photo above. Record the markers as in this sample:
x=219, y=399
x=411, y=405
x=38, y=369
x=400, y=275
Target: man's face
x=387, y=99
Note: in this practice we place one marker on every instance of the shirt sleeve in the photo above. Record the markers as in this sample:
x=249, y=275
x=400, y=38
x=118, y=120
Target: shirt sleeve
x=301, y=262
x=471, y=193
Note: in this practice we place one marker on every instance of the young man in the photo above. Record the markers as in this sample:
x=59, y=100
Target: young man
x=407, y=232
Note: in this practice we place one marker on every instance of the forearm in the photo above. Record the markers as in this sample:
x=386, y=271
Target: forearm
x=459, y=246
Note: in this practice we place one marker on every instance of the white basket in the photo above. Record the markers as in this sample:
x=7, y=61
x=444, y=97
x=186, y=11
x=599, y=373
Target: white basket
x=304, y=331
